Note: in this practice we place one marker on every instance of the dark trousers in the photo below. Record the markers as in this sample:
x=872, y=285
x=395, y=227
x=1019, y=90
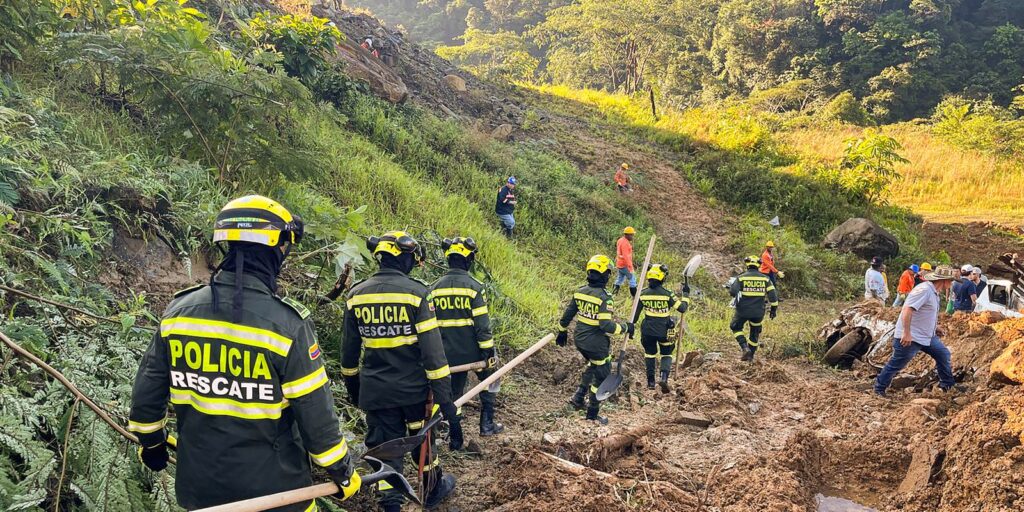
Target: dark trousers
x=901, y=357
x=655, y=348
x=598, y=368
x=387, y=424
x=737, y=324
x=459, y=388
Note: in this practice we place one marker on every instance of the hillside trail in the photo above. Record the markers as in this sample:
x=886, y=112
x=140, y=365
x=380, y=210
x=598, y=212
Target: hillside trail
x=783, y=435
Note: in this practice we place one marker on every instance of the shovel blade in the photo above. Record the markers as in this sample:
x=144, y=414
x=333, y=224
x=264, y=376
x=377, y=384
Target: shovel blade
x=609, y=386
x=384, y=472
x=397, y=448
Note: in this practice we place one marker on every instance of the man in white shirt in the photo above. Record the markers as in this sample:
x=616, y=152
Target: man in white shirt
x=874, y=282
x=916, y=330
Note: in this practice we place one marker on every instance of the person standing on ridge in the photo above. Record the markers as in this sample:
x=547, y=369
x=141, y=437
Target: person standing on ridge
x=591, y=307
x=751, y=289
x=506, y=205
x=250, y=419
x=624, y=261
x=657, y=304
x=393, y=361
x=906, y=284
x=465, y=323
x=621, y=178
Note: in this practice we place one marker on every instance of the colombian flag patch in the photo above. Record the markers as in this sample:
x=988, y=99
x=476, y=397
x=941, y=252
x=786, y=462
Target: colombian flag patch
x=314, y=351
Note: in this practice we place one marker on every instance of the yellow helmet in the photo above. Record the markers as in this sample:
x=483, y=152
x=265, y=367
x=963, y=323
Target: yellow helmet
x=395, y=243
x=599, y=263
x=752, y=261
x=769, y=243
x=625, y=165
x=259, y=220
x=657, y=271
x=458, y=245
x=926, y=266
x=629, y=231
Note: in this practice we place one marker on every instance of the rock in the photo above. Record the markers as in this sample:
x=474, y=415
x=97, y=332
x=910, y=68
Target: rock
x=503, y=132
x=456, y=83
x=1009, y=366
x=923, y=465
x=712, y=356
x=359, y=64
x=902, y=381
x=552, y=438
x=862, y=237
x=694, y=419
x=559, y=375
x=797, y=416
x=754, y=407
x=688, y=359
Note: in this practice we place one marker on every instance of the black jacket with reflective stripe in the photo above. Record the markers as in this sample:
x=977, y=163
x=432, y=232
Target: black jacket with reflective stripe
x=657, y=305
x=591, y=307
x=462, y=315
x=250, y=398
x=752, y=289
x=390, y=323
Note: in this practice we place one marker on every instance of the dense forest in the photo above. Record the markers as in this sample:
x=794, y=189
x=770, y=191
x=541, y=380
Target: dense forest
x=899, y=58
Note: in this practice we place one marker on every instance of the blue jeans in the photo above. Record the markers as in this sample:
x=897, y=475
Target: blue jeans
x=623, y=274
x=901, y=357
x=507, y=220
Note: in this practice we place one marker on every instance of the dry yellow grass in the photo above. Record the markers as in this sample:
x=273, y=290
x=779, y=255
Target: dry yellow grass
x=942, y=182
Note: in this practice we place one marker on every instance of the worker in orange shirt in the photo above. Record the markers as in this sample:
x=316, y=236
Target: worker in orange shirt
x=621, y=178
x=768, y=263
x=624, y=261
x=906, y=284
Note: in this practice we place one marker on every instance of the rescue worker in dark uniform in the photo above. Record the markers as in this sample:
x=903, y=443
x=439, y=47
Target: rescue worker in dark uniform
x=591, y=307
x=657, y=304
x=403, y=377
x=244, y=373
x=466, y=325
x=751, y=290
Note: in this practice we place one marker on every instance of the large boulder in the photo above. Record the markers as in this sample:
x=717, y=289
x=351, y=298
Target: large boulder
x=863, y=238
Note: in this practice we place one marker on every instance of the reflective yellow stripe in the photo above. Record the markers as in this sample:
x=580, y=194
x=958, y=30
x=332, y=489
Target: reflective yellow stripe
x=227, y=407
x=562, y=329
x=395, y=342
x=350, y=372
x=650, y=356
x=305, y=385
x=384, y=298
x=486, y=344
x=455, y=322
x=604, y=316
x=738, y=334
x=433, y=464
x=619, y=329
x=146, y=428
x=655, y=297
x=771, y=288
x=383, y=485
x=414, y=425
x=593, y=389
x=587, y=298
x=657, y=314
x=336, y=453
x=462, y=292
x=752, y=343
x=202, y=328
x=752, y=294
x=439, y=373
x=599, y=362
x=753, y=278
x=482, y=310
x=776, y=304
x=311, y=507
x=587, y=321
x=755, y=324
x=426, y=325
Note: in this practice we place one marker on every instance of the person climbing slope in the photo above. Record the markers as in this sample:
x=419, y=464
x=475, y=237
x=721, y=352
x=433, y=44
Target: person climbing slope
x=624, y=261
x=751, y=289
x=506, y=205
x=657, y=305
x=621, y=178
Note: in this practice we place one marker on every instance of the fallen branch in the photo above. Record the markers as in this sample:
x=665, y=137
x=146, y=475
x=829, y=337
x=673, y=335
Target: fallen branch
x=578, y=469
x=68, y=307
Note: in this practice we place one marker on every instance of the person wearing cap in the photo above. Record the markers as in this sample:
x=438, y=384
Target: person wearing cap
x=917, y=330
x=768, y=263
x=506, y=205
x=874, y=282
x=621, y=178
x=965, y=292
x=243, y=371
x=906, y=284
x=624, y=261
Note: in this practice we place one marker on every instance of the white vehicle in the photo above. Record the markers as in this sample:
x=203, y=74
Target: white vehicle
x=1000, y=295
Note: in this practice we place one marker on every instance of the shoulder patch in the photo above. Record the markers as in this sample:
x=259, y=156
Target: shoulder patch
x=314, y=351
x=303, y=311
x=190, y=289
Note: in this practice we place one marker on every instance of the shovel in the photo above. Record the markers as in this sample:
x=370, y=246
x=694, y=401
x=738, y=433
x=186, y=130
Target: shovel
x=495, y=387
x=614, y=380
x=684, y=328
x=381, y=472
x=396, y=448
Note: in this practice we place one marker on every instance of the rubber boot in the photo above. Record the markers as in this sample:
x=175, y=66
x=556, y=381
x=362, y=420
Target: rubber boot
x=615, y=289
x=632, y=291
x=441, y=491
x=663, y=382
x=742, y=340
x=749, y=354
x=577, y=399
x=508, y=233
x=650, y=372
x=487, y=425
x=592, y=411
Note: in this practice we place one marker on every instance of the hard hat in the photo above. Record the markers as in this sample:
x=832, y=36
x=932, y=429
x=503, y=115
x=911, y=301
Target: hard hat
x=599, y=263
x=915, y=269
x=458, y=245
x=395, y=243
x=926, y=266
x=752, y=261
x=769, y=243
x=658, y=272
x=625, y=165
x=512, y=180
x=259, y=220
x=629, y=231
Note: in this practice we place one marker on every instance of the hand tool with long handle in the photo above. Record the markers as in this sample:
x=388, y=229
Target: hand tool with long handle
x=480, y=365
x=684, y=328
x=399, y=447
x=380, y=470
x=614, y=380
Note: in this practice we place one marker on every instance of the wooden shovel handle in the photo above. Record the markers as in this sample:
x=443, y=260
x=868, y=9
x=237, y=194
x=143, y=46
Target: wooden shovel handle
x=468, y=367
x=276, y=500
x=504, y=369
x=636, y=298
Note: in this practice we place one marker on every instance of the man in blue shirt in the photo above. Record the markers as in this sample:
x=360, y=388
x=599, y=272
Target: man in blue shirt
x=506, y=204
x=966, y=294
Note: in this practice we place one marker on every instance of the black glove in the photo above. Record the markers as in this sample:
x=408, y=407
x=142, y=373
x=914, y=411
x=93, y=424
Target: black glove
x=455, y=438
x=489, y=356
x=671, y=323
x=630, y=329
x=352, y=386
x=774, y=311
x=155, y=457
x=686, y=290
x=562, y=338
x=347, y=479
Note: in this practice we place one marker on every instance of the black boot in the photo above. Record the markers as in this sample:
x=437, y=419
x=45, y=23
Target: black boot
x=749, y=354
x=742, y=340
x=441, y=491
x=615, y=289
x=508, y=233
x=577, y=399
x=487, y=425
x=663, y=382
x=632, y=291
x=592, y=411
x=650, y=372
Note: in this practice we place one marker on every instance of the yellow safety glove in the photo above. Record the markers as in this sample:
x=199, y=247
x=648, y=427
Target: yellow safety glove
x=347, y=489
x=782, y=274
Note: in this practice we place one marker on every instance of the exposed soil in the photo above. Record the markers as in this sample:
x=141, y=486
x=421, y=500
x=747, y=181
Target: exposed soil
x=976, y=243
x=781, y=433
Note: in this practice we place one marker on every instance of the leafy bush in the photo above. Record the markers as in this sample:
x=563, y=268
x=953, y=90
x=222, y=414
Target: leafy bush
x=868, y=165
x=306, y=44
x=844, y=108
x=979, y=125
